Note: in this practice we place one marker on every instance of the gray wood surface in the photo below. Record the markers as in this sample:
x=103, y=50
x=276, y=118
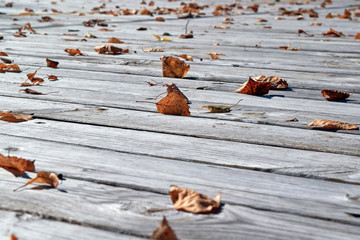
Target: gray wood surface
x=279, y=180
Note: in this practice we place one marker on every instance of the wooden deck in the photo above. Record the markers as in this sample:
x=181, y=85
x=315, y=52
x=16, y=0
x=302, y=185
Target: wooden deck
x=279, y=180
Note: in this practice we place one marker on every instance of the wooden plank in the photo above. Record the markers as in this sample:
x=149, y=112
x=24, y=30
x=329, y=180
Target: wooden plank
x=124, y=210
x=32, y=227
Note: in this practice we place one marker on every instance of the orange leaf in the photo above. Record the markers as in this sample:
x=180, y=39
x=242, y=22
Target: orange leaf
x=357, y=36
x=51, y=63
x=46, y=19
x=53, y=78
x=14, y=117
x=3, y=54
x=186, y=36
x=333, y=33
x=186, y=57
x=13, y=237
x=43, y=177
x=173, y=104
x=276, y=82
x=174, y=67
x=109, y=49
x=9, y=67
x=334, y=95
x=173, y=88
x=332, y=125
x=114, y=40
x=33, y=92
x=289, y=48
x=254, y=88
x=163, y=232
x=19, y=164
x=160, y=19
x=188, y=200
x=73, y=52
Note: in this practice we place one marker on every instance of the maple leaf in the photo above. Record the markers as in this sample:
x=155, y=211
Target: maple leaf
x=14, y=117
x=188, y=200
x=276, y=82
x=334, y=95
x=109, y=49
x=333, y=33
x=173, y=104
x=9, y=67
x=115, y=40
x=174, y=67
x=3, y=54
x=332, y=125
x=73, y=52
x=20, y=165
x=164, y=232
x=186, y=35
x=51, y=63
x=43, y=177
x=254, y=88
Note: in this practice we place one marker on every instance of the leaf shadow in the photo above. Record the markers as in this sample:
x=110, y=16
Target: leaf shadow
x=18, y=173
x=273, y=95
x=45, y=187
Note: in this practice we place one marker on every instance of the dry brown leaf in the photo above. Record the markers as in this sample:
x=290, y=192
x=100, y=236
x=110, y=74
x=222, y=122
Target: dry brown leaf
x=160, y=19
x=53, y=78
x=334, y=95
x=20, y=165
x=43, y=177
x=51, y=63
x=188, y=200
x=5, y=67
x=186, y=57
x=33, y=92
x=73, y=52
x=173, y=88
x=332, y=125
x=292, y=120
x=46, y=19
x=214, y=55
x=115, y=40
x=34, y=80
x=141, y=29
x=186, y=35
x=3, y=54
x=221, y=27
x=276, y=82
x=109, y=49
x=164, y=232
x=165, y=39
x=254, y=88
x=333, y=33
x=154, y=50
x=357, y=36
x=173, y=104
x=13, y=237
x=14, y=117
x=289, y=48
x=174, y=67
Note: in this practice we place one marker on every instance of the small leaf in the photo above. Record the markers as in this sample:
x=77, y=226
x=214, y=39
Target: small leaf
x=73, y=52
x=19, y=164
x=276, y=82
x=173, y=104
x=164, y=232
x=109, y=49
x=43, y=177
x=9, y=67
x=14, y=117
x=174, y=67
x=254, y=88
x=332, y=125
x=33, y=92
x=333, y=33
x=334, y=95
x=51, y=63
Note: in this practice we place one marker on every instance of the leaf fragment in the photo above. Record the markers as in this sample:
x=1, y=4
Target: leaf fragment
x=174, y=67
x=188, y=200
x=164, y=232
x=334, y=95
x=289, y=48
x=173, y=104
x=253, y=87
x=214, y=55
x=333, y=33
x=109, y=49
x=154, y=50
x=30, y=91
x=73, y=52
x=14, y=117
x=115, y=40
x=332, y=125
x=43, y=177
x=160, y=19
x=51, y=63
x=277, y=83
x=186, y=57
x=20, y=165
x=89, y=35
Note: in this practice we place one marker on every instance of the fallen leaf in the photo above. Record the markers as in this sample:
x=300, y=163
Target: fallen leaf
x=106, y=30
x=34, y=80
x=14, y=117
x=254, y=88
x=219, y=108
x=173, y=104
x=188, y=200
x=89, y=35
x=154, y=50
x=333, y=33
x=357, y=36
x=261, y=20
x=141, y=29
x=316, y=24
x=73, y=52
x=214, y=55
x=160, y=19
x=30, y=91
x=3, y=54
x=329, y=15
x=43, y=177
x=292, y=120
x=20, y=165
x=173, y=88
x=114, y=40
x=300, y=31
x=53, y=78
x=46, y=19
x=186, y=57
x=109, y=49
x=163, y=232
x=221, y=27
x=165, y=39
x=9, y=67
x=186, y=36
x=23, y=28
x=151, y=84
x=334, y=95
x=6, y=60
x=51, y=63
x=174, y=67
x=276, y=82
x=13, y=237
x=289, y=48
x=332, y=125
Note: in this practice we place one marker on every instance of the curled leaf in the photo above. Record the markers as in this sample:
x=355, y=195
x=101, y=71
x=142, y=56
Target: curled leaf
x=164, y=232
x=15, y=163
x=43, y=177
x=276, y=82
x=188, y=200
x=165, y=39
x=254, y=88
x=333, y=33
x=214, y=55
x=115, y=40
x=51, y=63
x=186, y=57
x=332, y=125
x=53, y=78
x=334, y=95
x=73, y=52
x=174, y=67
x=9, y=67
x=14, y=117
x=173, y=104
x=109, y=49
